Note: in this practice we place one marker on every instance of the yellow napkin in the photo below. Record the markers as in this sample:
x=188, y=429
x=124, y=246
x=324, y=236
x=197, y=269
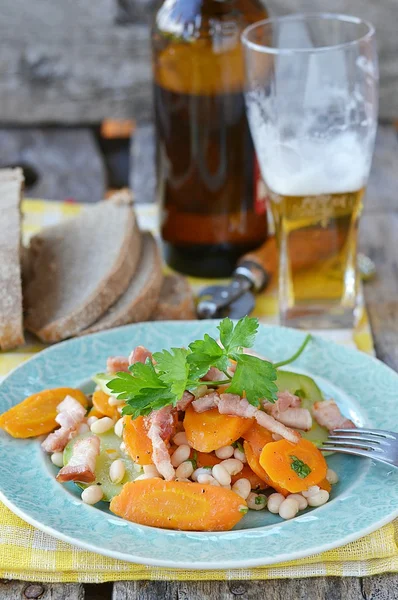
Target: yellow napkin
x=27, y=553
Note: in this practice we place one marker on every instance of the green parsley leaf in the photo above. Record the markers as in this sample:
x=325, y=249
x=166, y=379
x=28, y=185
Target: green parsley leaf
x=255, y=378
x=240, y=336
x=300, y=467
x=173, y=369
x=206, y=353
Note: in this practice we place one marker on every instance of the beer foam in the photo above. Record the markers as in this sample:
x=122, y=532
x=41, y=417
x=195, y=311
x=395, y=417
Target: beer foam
x=314, y=167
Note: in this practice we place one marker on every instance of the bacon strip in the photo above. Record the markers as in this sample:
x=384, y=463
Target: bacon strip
x=139, y=354
x=299, y=418
x=328, y=415
x=81, y=466
x=161, y=428
x=232, y=404
x=114, y=364
x=70, y=414
x=185, y=401
x=213, y=374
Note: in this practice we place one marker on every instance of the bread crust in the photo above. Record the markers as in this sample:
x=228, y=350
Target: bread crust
x=176, y=301
x=11, y=315
x=112, y=285
x=143, y=303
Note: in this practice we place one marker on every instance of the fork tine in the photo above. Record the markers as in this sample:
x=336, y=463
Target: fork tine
x=361, y=438
x=342, y=450
x=345, y=444
x=381, y=433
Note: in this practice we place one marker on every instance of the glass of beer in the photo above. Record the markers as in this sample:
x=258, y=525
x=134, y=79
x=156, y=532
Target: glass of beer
x=312, y=101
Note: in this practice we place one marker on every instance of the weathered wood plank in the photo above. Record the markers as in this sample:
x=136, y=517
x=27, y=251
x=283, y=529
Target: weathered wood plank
x=71, y=65
x=380, y=587
x=378, y=233
x=92, y=61
x=67, y=162
x=21, y=590
x=142, y=164
x=381, y=193
x=324, y=588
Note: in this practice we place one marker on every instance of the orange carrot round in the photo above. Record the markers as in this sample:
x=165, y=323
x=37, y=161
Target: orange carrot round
x=295, y=467
x=209, y=430
x=179, y=505
x=100, y=402
x=204, y=459
x=36, y=414
x=138, y=444
x=257, y=436
x=253, y=459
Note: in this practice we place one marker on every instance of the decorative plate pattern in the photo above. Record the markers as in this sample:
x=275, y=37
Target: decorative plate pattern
x=365, y=498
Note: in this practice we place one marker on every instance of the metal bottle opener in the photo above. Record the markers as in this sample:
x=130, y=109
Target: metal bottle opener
x=253, y=274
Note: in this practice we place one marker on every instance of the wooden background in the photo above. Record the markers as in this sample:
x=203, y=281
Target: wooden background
x=80, y=61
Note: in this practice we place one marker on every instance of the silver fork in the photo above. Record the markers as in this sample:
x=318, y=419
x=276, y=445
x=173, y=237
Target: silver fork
x=371, y=443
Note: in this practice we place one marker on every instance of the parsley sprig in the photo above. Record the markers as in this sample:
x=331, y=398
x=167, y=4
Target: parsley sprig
x=149, y=386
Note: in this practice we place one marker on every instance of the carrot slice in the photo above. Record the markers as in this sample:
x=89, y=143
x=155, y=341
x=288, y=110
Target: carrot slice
x=252, y=458
x=256, y=482
x=36, y=414
x=295, y=467
x=93, y=412
x=138, y=444
x=209, y=430
x=207, y=460
x=100, y=402
x=179, y=505
x=257, y=436
x=325, y=485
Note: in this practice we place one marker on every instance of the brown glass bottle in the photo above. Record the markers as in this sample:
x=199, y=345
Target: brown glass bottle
x=212, y=209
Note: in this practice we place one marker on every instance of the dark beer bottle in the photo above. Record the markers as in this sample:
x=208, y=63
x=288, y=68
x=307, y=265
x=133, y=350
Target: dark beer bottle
x=213, y=206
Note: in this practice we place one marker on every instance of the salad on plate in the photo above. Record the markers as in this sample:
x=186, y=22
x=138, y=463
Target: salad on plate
x=190, y=438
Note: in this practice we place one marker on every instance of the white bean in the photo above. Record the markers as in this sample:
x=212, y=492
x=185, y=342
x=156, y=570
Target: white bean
x=242, y=487
x=112, y=401
x=119, y=426
x=102, y=425
x=289, y=508
x=180, y=455
x=200, y=471
x=301, y=501
x=314, y=489
x=221, y=474
x=83, y=428
x=332, y=477
x=120, y=409
x=145, y=476
x=180, y=439
x=256, y=501
x=92, y=494
x=208, y=479
x=91, y=420
x=225, y=452
x=151, y=470
x=240, y=455
x=274, y=502
x=185, y=469
x=233, y=465
x=318, y=499
x=57, y=459
x=117, y=471
x=123, y=447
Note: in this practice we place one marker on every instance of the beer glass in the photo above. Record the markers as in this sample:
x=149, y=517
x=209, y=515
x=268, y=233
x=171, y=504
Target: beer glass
x=312, y=100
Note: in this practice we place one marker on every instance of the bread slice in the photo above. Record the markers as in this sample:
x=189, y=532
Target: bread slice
x=81, y=267
x=139, y=300
x=176, y=300
x=11, y=318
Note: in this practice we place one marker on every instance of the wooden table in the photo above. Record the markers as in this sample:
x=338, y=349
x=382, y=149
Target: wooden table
x=379, y=234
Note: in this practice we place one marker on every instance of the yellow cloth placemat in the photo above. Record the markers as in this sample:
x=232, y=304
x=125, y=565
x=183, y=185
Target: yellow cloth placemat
x=28, y=554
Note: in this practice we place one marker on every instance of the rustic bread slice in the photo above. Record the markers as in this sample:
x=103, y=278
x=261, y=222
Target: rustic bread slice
x=139, y=300
x=11, y=319
x=81, y=267
x=176, y=300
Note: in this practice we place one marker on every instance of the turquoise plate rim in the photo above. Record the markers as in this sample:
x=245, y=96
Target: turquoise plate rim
x=58, y=512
